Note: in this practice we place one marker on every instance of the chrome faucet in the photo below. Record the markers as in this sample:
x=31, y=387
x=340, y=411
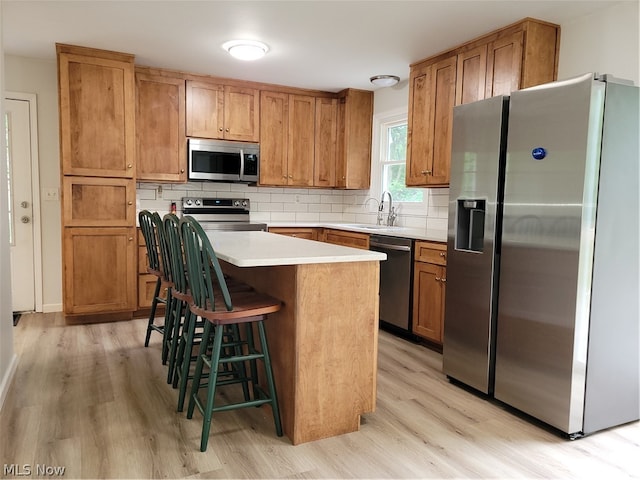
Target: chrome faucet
x=391, y=214
x=379, y=208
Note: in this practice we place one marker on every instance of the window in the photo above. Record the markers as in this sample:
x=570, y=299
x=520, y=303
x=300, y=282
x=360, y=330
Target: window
x=392, y=153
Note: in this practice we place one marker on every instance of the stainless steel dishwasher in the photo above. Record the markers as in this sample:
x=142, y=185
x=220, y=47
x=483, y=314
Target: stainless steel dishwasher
x=395, y=280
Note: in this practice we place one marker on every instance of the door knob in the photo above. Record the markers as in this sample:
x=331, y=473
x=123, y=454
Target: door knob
x=24, y=204
x=25, y=219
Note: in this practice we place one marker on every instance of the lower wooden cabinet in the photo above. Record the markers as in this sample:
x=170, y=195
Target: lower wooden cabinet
x=310, y=233
x=429, y=281
x=100, y=273
x=347, y=239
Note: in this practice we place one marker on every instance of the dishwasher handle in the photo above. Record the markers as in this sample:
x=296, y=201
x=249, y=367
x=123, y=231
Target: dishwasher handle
x=400, y=248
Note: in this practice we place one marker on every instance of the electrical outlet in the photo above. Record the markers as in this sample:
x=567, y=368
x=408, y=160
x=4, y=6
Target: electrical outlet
x=50, y=194
x=159, y=195
x=297, y=198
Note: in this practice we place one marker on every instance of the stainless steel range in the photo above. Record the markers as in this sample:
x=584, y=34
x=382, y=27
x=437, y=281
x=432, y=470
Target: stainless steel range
x=221, y=213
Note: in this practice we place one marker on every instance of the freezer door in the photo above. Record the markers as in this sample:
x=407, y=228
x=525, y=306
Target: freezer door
x=477, y=161
x=553, y=155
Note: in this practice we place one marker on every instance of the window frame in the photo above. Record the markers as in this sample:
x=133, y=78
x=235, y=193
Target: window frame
x=381, y=122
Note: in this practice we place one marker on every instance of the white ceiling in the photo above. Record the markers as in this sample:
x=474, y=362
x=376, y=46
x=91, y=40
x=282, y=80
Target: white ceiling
x=326, y=45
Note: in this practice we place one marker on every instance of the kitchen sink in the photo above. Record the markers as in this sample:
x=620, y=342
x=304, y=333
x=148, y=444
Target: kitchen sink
x=366, y=226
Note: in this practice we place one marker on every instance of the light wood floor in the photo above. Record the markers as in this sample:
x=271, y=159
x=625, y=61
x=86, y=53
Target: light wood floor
x=91, y=398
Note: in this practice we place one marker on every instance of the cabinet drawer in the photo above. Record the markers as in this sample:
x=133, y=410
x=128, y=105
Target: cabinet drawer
x=347, y=239
x=298, y=232
x=430, y=252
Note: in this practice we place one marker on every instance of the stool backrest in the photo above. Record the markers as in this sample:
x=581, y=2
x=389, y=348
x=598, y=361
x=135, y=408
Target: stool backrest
x=165, y=259
x=145, y=219
x=203, y=268
x=174, y=242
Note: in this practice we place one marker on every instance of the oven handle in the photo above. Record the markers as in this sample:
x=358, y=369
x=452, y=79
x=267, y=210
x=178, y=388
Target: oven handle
x=400, y=248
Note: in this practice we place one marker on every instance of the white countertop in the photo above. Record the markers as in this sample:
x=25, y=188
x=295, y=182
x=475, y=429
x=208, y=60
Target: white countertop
x=259, y=249
x=404, y=232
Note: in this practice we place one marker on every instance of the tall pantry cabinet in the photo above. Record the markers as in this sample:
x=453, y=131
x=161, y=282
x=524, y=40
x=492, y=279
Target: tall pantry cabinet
x=96, y=91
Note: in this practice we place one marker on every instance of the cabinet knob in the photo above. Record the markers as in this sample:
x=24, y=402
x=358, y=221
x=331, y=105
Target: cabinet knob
x=284, y=176
x=130, y=165
x=442, y=254
x=443, y=280
x=426, y=172
x=226, y=130
x=182, y=170
x=131, y=239
x=129, y=203
x=290, y=176
x=220, y=129
x=438, y=279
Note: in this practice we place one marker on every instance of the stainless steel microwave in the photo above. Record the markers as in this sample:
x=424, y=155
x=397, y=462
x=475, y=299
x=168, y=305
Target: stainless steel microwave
x=223, y=161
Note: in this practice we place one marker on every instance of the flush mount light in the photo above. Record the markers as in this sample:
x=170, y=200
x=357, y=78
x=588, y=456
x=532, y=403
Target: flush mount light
x=384, y=80
x=246, y=49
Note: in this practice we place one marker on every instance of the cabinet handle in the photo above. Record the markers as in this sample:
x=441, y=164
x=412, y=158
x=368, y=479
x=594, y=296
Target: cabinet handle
x=438, y=279
x=426, y=172
x=290, y=176
x=226, y=129
x=130, y=165
x=220, y=129
x=284, y=176
x=130, y=203
x=442, y=254
x=182, y=170
x=443, y=280
x=131, y=239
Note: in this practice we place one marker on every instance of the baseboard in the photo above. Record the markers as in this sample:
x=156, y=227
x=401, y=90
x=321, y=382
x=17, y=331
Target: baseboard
x=8, y=378
x=51, y=308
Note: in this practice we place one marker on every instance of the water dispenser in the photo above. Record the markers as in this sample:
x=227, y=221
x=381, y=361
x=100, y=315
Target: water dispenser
x=470, y=225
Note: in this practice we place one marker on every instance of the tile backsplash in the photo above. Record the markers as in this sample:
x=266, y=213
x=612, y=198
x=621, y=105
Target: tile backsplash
x=273, y=204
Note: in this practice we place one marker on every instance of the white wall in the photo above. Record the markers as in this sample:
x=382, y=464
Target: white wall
x=606, y=41
x=8, y=359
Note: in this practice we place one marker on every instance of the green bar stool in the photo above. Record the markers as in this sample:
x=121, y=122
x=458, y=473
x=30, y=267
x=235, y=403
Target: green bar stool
x=221, y=346
x=148, y=225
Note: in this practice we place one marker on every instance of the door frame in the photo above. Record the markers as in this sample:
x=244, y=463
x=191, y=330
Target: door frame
x=35, y=191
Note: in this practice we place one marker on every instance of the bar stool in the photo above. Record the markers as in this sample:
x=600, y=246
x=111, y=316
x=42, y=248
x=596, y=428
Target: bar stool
x=148, y=225
x=222, y=319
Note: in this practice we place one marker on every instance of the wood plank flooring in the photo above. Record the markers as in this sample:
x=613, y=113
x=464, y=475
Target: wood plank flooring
x=91, y=398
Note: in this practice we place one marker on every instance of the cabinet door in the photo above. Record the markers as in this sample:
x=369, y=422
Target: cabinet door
x=309, y=233
x=99, y=202
x=100, y=270
x=355, y=118
x=97, y=115
x=205, y=110
x=347, y=239
x=326, y=126
x=160, y=129
x=274, y=122
x=471, y=75
x=428, y=300
x=431, y=101
x=504, y=63
x=300, y=150
x=241, y=114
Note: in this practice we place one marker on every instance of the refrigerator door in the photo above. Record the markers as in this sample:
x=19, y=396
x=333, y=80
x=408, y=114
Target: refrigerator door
x=553, y=155
x=477, y=161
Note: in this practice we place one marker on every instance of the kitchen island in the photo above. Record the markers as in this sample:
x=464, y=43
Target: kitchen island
x=324, y=340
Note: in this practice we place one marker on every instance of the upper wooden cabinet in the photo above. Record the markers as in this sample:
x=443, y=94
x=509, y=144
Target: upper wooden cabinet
x=353, y=156
x=160, y=128
x=518, y=56
x=222, y=111
x=287, y=135
x=97, y=112
x=326, y=136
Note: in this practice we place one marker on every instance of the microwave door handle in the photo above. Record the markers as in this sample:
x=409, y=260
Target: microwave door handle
x=241, y=164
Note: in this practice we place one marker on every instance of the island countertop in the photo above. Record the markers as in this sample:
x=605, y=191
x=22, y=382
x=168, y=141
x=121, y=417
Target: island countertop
x=260, y=249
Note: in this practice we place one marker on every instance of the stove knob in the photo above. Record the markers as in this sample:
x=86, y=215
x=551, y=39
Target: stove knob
x=236, y=203
x=189, y=202
x=244, y=203
x=198, y=202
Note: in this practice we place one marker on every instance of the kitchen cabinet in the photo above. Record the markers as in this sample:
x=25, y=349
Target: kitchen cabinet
x=518, y=56
x=146, y=281
x=353, y=155
x=429, y=281
x=345, y=238
x=96, y=93
x=432, y=97
x=287, y=139
x=325, y=142
x=226, y=112
x=309, y=233
x=161, y=154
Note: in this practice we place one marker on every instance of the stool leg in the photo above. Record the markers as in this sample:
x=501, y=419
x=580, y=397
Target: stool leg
x=185, y=356
x=152, y=315
x=177, y=319
x=195, y=384
x=169, y=323
x=241, y=365
x=211, y=389
x=252, y=363
x=269, y=374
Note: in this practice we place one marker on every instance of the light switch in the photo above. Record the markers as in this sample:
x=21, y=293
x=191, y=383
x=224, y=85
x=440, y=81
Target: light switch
x=50, y=194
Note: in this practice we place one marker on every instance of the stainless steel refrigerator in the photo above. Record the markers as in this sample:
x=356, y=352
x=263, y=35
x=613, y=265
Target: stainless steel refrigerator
x=542, y=304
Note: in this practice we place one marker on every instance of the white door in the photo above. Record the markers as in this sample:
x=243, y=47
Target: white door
x=21, y=204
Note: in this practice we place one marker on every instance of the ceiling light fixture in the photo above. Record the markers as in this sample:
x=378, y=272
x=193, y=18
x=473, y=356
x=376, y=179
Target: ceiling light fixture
x=246, y=49
x=384, y=80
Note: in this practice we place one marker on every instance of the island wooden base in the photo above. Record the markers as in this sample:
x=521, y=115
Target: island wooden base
x=323, y=343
